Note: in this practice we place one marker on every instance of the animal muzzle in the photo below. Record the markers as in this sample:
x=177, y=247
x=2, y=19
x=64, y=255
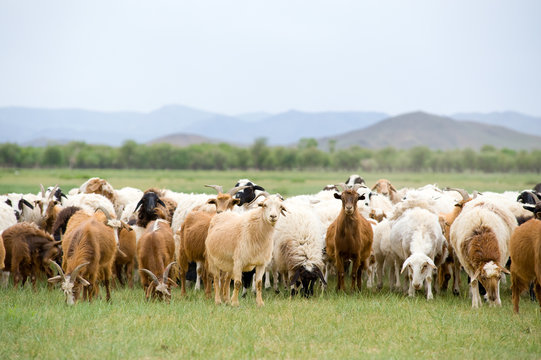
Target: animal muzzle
x=417, y=286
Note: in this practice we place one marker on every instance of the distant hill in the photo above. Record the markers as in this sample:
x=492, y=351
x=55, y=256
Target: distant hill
x=513, y=120
x=436, y=132
x=183, y=139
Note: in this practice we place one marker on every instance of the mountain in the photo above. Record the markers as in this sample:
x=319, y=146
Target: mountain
x=436, y=132
x=285, y=128
x=513, y=120
x=183, y=139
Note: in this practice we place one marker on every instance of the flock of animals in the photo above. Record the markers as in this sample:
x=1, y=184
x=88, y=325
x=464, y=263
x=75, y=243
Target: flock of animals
x=419, y=238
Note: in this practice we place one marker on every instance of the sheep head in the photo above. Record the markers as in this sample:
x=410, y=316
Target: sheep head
x=419, y=268
x=247, y=195
x=159, y=288
x=148, y=204
x=489, y=275
x=307, y=276
x=71, y=283
x=384, y=187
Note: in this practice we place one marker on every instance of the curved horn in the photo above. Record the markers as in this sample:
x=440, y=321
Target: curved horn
x=218, y=188
x=263, y=193
x=58, y=268
x=51, y=194
x=75, y=271
x=342, y=185
x=535, y=197
x=464, y=193
x=166, y=272
x=138, y=204
x=295, y=277
x=320, y=275
x=25, y=202
x=152, y=276
x=42, y=190
x=107, y=215
x=236, y=189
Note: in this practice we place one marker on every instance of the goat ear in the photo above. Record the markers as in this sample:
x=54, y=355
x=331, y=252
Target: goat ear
x=504, y=270
x=211, y=201
x=392, y=187
x=83, y=281
x=337, y=196
x=257, y=187
x=431, y=264
x=55, y=279
x=261, y=204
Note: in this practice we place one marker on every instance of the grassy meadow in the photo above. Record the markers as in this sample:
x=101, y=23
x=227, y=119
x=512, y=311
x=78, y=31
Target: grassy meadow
x=368, y=324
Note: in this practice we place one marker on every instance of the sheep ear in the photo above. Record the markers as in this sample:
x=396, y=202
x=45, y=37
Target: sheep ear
x=337, y=196
x=374, y=187
x=392, y=187
x=431, y=264
x=283, y=211
x=405, y=265
x=257, y=187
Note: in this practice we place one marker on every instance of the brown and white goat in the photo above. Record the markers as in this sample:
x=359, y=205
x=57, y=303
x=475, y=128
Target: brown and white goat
x=49, y=208
x=525, y=251
x=193, y=234
x=385, y=188
x=349, y=237
x=155, y=253
x=89, y=252
x=28, y=252
x=480, y=237
x=239, y=242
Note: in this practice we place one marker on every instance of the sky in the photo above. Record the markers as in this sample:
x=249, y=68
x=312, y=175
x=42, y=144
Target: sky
x=236, y=57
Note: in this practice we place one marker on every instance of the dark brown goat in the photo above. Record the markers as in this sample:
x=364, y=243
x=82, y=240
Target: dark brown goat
x=155, y=253
x=349, y=237
x=28, y=252
x=89, y=251
x=525, y=251
x=61, y=222
x=125, y=258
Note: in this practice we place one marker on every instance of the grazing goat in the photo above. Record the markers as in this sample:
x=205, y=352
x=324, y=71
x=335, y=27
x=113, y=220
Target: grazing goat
x=480, y=237
x=239, y=242
x=385, y=188
x=28, y=251
x=125, y=258
x=155, y=253
x=525, y=251
x=193, y=234
x=349, y=237
x=89, y=252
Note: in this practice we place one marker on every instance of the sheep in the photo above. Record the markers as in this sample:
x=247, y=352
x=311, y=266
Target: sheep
x=194, y=232
x=355, y=179
x=90, y=203
x=298, y=249
x=239, y=242
x=525, y=251
x=451, y=265
x=248, y=194
x=418, y=242
x=383, y=254
x=349, y=237
x=7, y=216
x=125, y=196
x=385, y=188
x=99, y=186
x=148, y=208
x=28, y=252
x=21, y=206
x=480, y=237
x=89, y=253
x=155, y=253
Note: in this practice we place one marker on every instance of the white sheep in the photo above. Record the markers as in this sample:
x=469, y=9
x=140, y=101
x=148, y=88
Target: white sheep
x=239, y=242
x=417, y=240
x=90, y=203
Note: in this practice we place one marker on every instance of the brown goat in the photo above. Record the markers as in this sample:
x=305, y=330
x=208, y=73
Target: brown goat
x=451, y=266
x=193, y=234
x=349, y=237
x=28, y=251
x=525, y=251
x=89, y=251
x=155, y=253
x=2, y=253
x=385, y=188
x=125, y=258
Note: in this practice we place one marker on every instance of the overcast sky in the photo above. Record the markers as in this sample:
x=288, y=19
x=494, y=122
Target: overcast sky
x=243, y=56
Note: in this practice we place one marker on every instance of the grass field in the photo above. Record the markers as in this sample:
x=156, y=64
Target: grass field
x=362, y=325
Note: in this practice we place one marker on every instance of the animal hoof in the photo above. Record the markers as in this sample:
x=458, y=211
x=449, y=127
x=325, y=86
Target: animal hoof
x=456, y=292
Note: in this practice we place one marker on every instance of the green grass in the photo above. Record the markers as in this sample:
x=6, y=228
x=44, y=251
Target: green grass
x=367, y=324
x=287, y=183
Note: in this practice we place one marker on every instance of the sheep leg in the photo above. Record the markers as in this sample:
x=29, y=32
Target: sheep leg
x=475, y=296
x=276, y=282
x=259, y=272
x=456, y=276
x=5, y=278
x=397, y=284
x=208, y=282
x=517, y=287
x=428, y=284
x=380, y=273
x=183, y=269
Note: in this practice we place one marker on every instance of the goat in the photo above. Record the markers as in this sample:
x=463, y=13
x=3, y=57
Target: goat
x=525, y=251
x=89, y=252
x=480, y=237
x=249, y=193
x=385, y=188
x=148, y=208
x=28, y=251
x=349, y=237
x=239, y=242
x=155, y=253
x=194, y=232
x=125, y=257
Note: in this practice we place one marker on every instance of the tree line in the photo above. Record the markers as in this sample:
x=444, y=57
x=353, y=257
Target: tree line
x=305, y=156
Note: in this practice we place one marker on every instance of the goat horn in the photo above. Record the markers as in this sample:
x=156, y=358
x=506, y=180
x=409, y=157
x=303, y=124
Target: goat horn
x=42, y=190
x=464, y=193
x=295, y=277
x=218, y=188
x=107, y=215
x=58, y=268
x=75, y=272
x=358, y=186
x=236, y=189
x=51, y=194
x=151, y=274
x=342, y=185
x=167, y=269
x=536, y=198
x=476, y=193
x=263, y=193
x=320, y=275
